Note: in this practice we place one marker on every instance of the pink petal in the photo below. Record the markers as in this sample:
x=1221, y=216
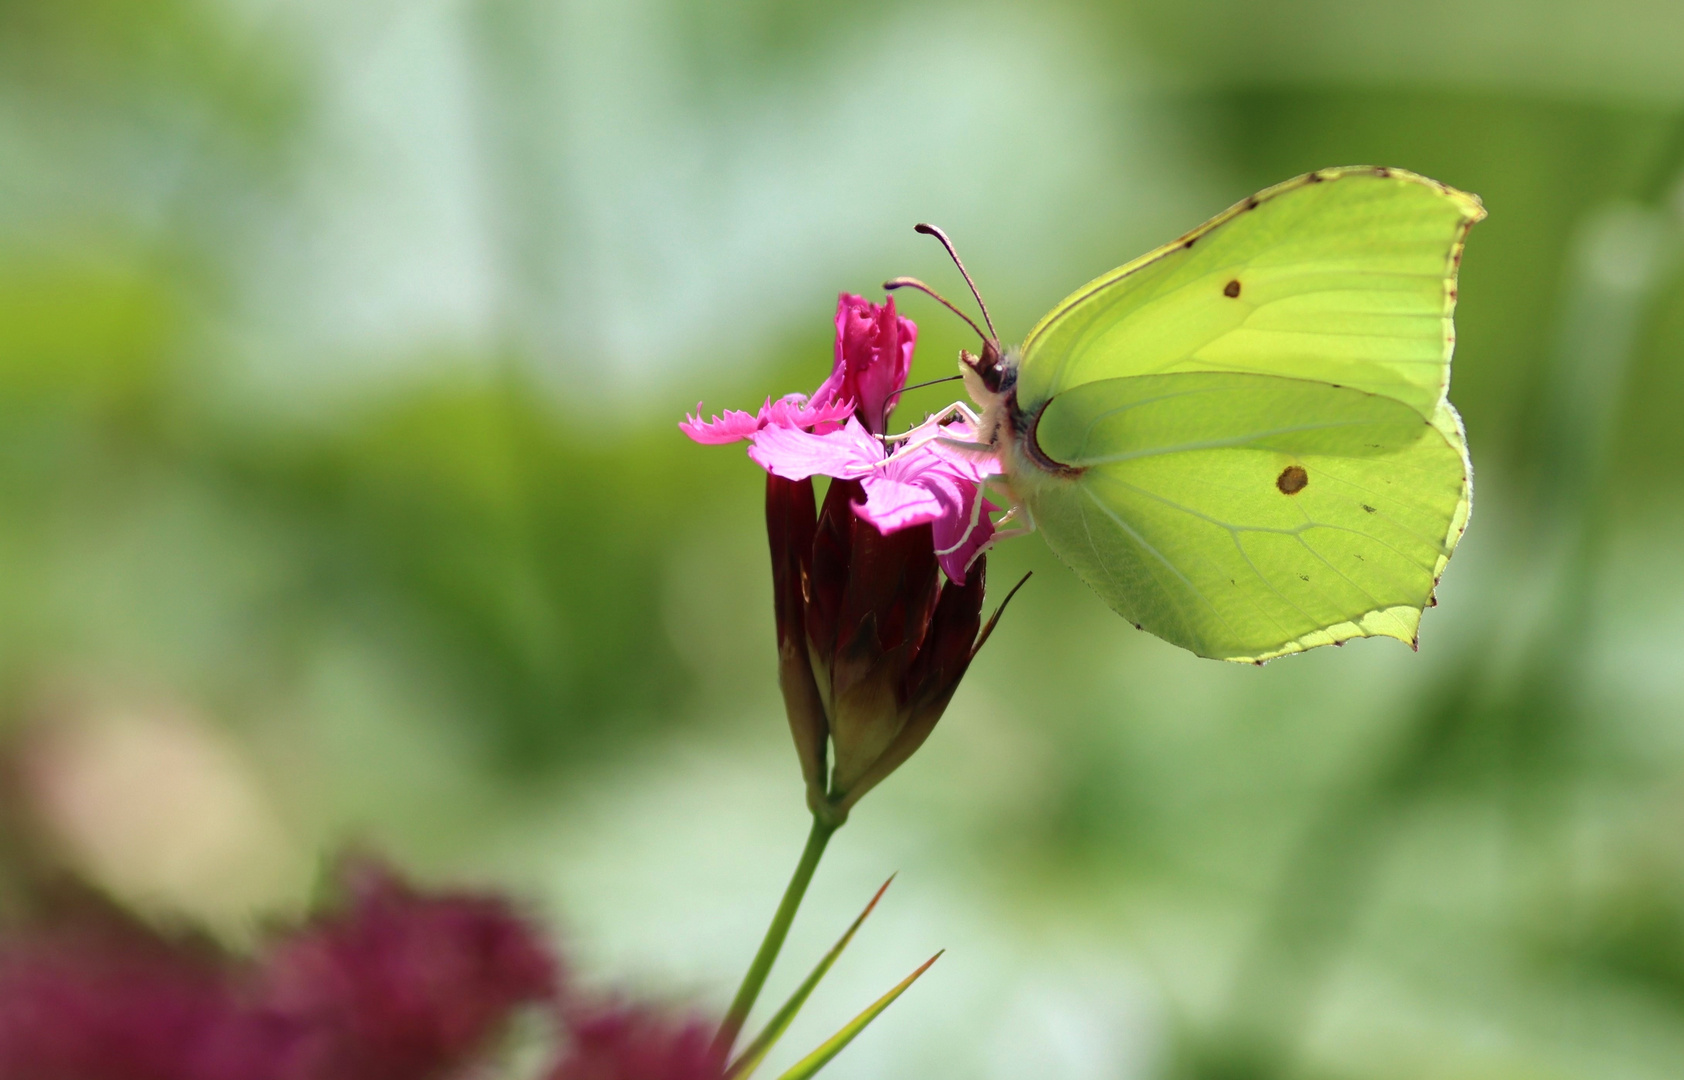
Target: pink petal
x=873, y=356
x=796, y=455
x=792, y=411
x=734, y=425
x=958, y=542
x=893, y=505
x=933, y=439
x=930, y=481
x=795, y=411
x=962, y=527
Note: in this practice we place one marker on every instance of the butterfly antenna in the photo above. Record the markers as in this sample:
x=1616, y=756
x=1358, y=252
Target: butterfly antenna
x=913, y=283
x=931, y=230
x=932, y=382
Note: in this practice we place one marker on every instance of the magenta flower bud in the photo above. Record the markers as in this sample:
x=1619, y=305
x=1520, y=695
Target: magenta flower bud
x=873, y=358
x=871, y=642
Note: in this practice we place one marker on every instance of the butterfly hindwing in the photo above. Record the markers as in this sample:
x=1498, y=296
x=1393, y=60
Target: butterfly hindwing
x=1246, y=516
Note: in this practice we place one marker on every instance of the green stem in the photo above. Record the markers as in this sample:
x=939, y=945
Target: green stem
x=737, y=1015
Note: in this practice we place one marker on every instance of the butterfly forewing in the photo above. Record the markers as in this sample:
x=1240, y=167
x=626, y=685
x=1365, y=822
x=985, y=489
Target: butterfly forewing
x=1345, y=276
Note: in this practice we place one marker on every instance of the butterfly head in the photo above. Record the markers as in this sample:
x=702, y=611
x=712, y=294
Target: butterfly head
x=992, y=372
x=991, y=380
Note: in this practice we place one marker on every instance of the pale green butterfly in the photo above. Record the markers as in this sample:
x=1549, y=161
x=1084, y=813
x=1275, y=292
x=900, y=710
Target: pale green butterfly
x=1242, y=440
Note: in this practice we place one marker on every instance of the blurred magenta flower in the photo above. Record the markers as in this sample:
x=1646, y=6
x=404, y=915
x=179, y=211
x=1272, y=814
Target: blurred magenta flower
x=103, y=998
x=632, y=1042
x=872, y=642
x=399, y=984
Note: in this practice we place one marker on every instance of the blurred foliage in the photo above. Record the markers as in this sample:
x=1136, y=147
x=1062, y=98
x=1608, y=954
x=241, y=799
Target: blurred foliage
x=525, y=554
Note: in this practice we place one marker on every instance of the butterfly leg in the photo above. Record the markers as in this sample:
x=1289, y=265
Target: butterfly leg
x=977, y=512
x=1016, y=511
x=961, y=444
x=958, y=410
x=930, y=429
x=1013, y=533
x=1015, y=507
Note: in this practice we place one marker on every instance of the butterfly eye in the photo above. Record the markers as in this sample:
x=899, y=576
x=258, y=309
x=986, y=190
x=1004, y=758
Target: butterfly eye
x=987, y=366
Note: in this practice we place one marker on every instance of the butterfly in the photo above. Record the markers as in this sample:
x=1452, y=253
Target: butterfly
x=1242, y=441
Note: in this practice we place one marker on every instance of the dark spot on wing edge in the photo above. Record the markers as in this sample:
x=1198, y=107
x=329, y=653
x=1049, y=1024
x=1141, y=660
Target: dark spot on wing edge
x=1292, y=480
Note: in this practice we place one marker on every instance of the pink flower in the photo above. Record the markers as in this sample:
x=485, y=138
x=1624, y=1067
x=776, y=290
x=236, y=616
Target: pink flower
x=926, y=483
x=836, y=433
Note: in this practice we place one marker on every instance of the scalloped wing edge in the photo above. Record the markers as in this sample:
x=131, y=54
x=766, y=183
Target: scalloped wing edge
x=1401, y=621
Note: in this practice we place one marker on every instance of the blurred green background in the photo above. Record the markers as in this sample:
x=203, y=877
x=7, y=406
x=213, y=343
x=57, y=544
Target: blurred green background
x=341, y=501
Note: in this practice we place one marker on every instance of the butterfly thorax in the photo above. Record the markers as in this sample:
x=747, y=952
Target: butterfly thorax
x=1006, y=425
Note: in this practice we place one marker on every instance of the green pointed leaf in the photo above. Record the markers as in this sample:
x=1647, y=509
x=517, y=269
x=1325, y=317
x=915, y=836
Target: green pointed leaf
x=818, y=1059
x=756, y=1051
